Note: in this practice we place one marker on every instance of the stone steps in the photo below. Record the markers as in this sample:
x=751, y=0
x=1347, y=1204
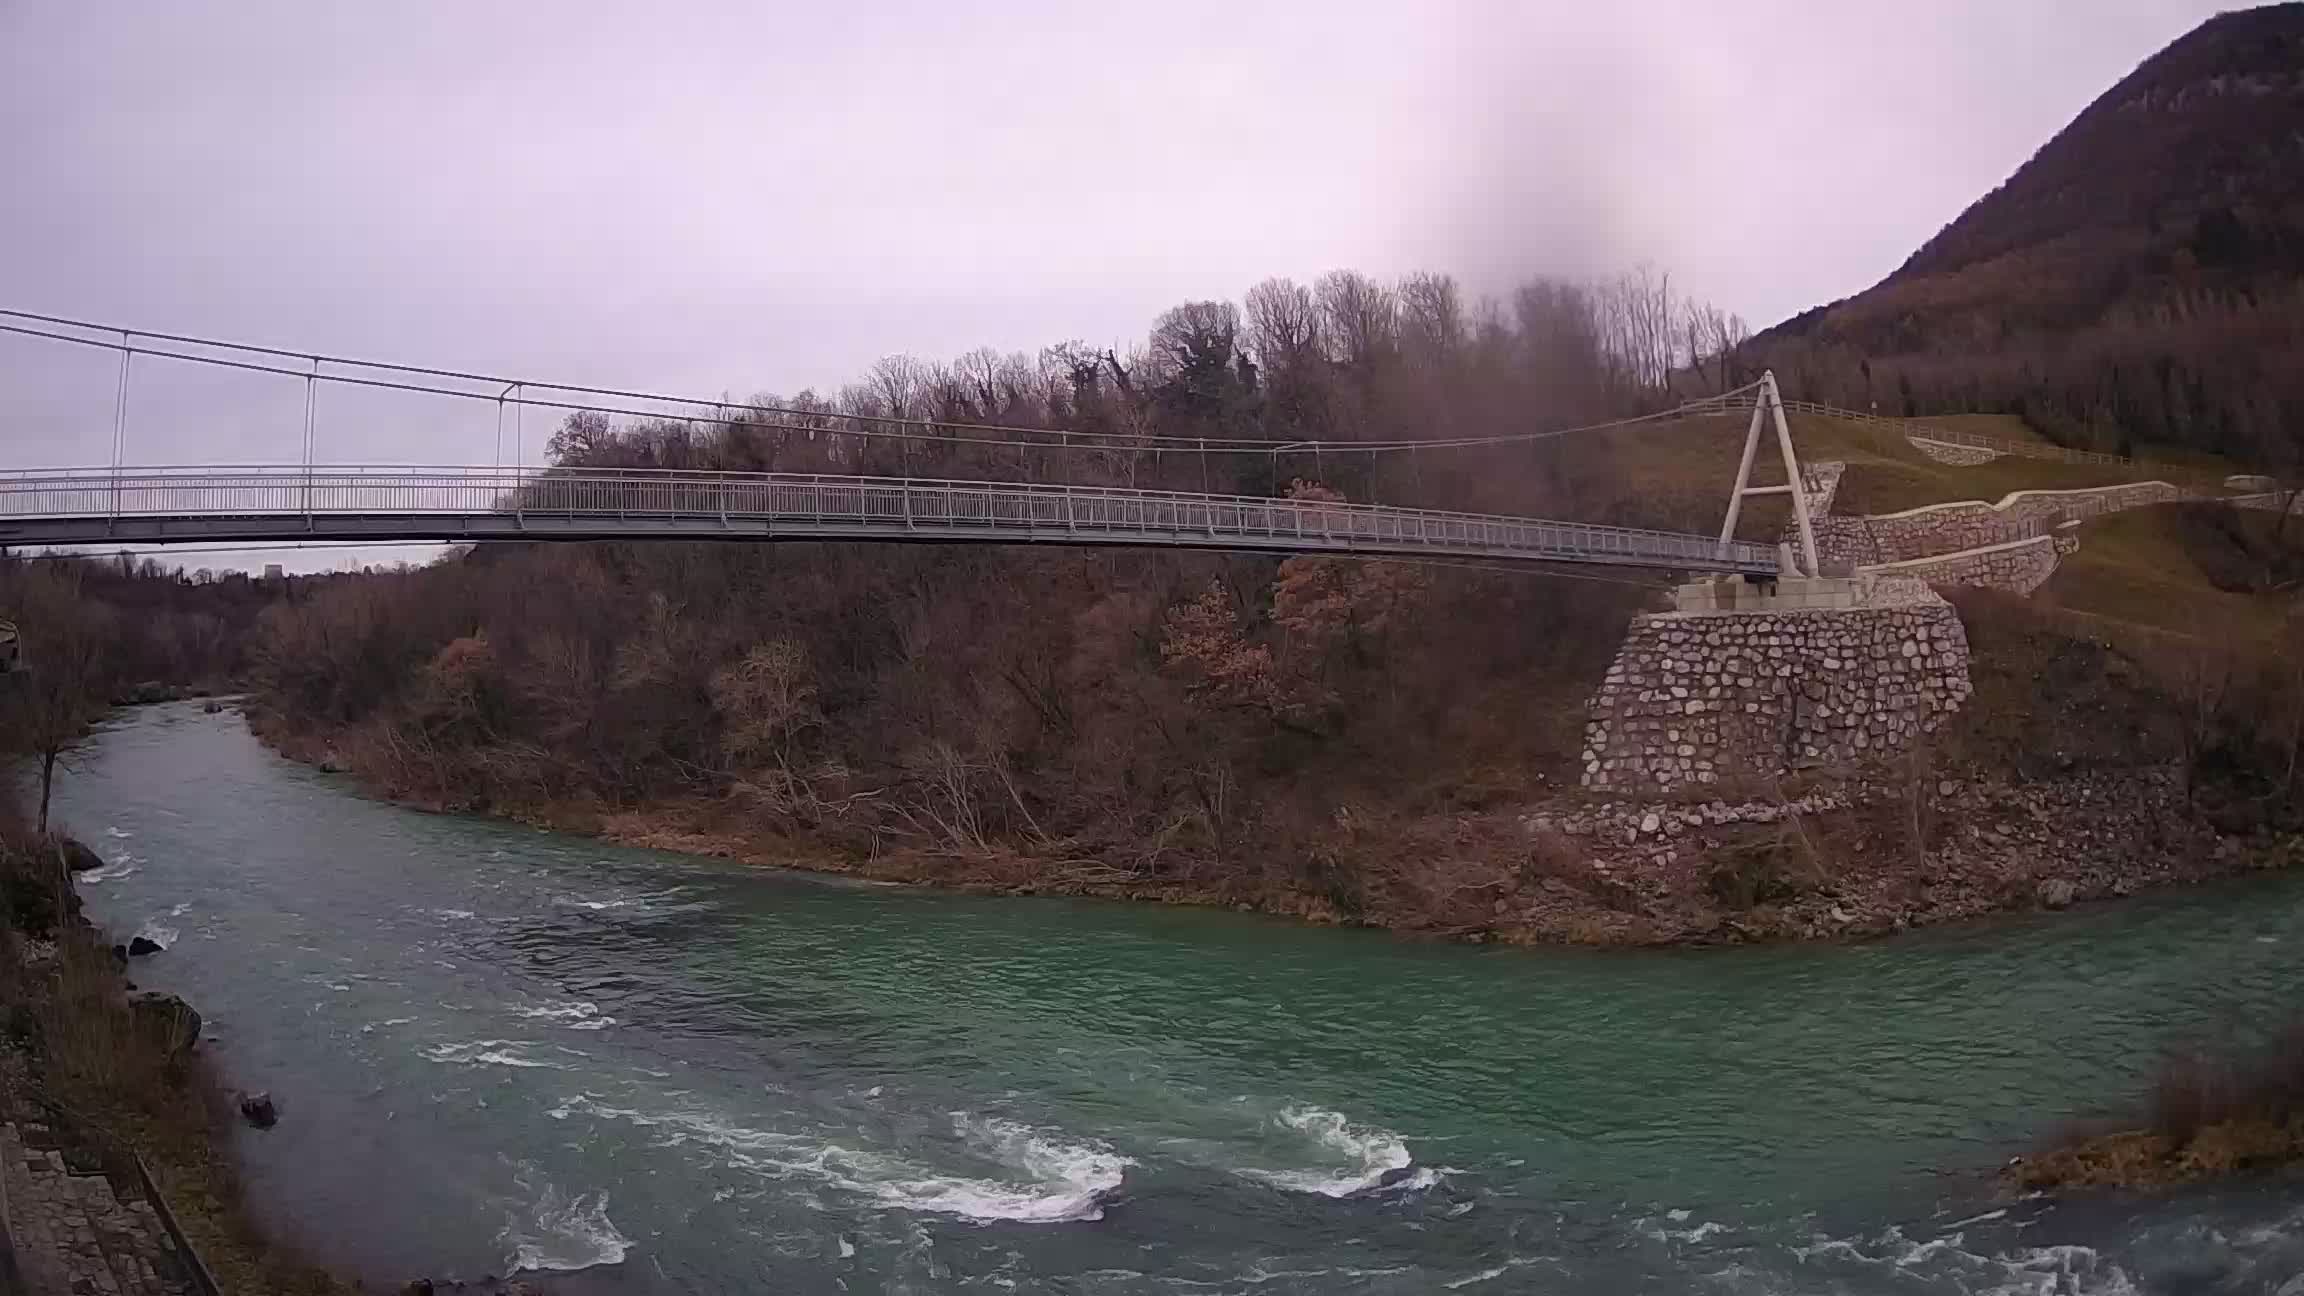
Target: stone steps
x=73, y=1231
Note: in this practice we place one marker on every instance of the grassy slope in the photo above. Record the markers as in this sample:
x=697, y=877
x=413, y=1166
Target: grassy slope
x=2006, y=427
x=2140, y=568
x=2147, y=567
x=2137, y=568
x=1677, y=475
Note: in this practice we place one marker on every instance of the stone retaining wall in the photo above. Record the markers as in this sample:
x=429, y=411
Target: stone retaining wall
x=2019, y=567
x=1938, y=529
x=1694, y=698
x=1822, y=481
x=1947, y=452
x=2269, y=501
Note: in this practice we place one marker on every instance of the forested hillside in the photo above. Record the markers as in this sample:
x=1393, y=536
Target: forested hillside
x=2139, y=282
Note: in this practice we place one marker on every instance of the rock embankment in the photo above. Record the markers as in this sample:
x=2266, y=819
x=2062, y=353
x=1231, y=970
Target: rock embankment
x=1870, y=857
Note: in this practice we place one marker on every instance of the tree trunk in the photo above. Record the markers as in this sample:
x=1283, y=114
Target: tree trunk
x=47, y=784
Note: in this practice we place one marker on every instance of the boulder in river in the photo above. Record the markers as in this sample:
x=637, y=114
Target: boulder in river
x=2055, y=893
x=175, y=1022
x=143, y=945
x=78, y=857
x=260, y=1112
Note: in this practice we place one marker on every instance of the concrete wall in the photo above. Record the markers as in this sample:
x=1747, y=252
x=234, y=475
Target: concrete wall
x=1695, y=698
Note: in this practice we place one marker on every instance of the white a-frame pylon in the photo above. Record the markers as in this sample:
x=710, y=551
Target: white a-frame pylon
x=1767, y=403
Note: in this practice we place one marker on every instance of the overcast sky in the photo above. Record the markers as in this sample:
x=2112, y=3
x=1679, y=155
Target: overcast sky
x=743, y=197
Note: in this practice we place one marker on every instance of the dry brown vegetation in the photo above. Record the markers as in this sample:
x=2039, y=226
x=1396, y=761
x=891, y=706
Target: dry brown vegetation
x=2212, y=1112
x=1238, y=728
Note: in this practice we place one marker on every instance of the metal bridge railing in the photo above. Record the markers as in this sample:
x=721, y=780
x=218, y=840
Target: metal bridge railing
x=644, y=501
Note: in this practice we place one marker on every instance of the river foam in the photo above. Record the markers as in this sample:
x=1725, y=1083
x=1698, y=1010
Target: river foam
x=596, y=906
x=557, y=1231
x=1065, y=1180
x=575, y=1014
x=1022, y=1174
x=491, y=1053
x=1357, y=1159
x=2073, y=1270
x=119, y=866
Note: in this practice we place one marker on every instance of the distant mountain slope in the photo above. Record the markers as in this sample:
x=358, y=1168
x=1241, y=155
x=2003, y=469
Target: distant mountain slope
x=2136, y=281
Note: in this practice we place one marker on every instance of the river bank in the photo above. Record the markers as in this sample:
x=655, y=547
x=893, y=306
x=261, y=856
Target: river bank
x=1827, y=860
x=95, y=1074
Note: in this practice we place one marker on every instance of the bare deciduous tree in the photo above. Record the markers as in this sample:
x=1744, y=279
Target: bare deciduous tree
x=65, y=638
x=1360, y=319
x=767, y=699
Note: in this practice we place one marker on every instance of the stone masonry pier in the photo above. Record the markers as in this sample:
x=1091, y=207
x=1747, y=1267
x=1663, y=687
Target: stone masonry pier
x=1832, y=677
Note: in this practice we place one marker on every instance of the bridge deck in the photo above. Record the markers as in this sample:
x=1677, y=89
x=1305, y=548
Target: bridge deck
x=163, y=505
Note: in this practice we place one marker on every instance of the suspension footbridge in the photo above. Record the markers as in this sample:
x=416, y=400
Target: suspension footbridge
x=124, y=504
x=161, y=506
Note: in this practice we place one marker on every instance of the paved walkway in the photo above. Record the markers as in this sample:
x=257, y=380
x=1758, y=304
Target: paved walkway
x=76, y=1232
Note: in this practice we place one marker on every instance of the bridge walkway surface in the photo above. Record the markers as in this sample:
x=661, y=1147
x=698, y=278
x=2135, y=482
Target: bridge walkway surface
x=382, y=504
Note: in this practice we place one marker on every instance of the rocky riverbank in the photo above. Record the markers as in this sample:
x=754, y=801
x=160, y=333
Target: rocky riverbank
x=95, y=1073
x=91, y=1067
x=1864, y=858
x=1828, y=860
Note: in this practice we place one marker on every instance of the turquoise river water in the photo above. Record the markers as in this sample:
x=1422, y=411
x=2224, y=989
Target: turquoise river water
x=498, y=1048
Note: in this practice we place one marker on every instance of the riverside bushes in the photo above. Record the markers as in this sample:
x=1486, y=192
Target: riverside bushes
x=2211, y=1112
x=1233, y=727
